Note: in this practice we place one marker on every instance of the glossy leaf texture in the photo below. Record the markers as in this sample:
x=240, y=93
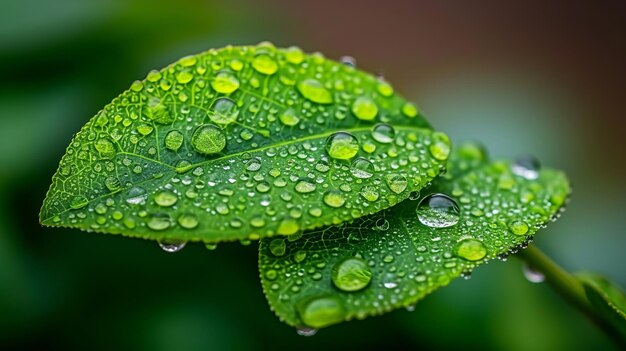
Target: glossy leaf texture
x=392, y=259
x=242, y=143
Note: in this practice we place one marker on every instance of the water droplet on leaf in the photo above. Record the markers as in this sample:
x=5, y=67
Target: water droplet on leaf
x=351, y=274
x=438, y=211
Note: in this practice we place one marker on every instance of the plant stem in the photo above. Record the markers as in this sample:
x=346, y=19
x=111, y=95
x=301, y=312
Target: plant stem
x=566, y=285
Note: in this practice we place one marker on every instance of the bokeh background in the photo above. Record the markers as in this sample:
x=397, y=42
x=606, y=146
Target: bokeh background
x=524, y=77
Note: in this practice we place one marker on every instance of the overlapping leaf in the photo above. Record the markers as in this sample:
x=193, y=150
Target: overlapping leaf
x=243, y=142
x=391, y=259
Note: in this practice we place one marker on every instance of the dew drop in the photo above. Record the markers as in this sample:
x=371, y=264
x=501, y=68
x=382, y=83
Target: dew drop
x=288, y=226
x=210, y=246
x=105, y=148
x=369, y=193
x=145, y=129
x=526, y=167
x=364, y=108
x=438, y=211
x=470, y=249
x=172, y=245
x=78, y=202
x=225, y=82
x=165, y=198
x=342, y=146
x=184, y=77
x=321, y=311
x=294, y=55
x=348, y=61
x=410, y=110
x=264, y=64
x=305, y=186
x=136, y=195
x=278, y=247
x=159, y=222
x=383, y=133
x=225, y=111
x=362, y=168
x=313, y=90
x=208, y=139
x=334, y=198
x=518, y=227
x=289, y=117
x=304, y=331
x=532, y=275
x=396, y=182
x=351, y=274
x=174, y=140
x=188, y=221
x=440, y=146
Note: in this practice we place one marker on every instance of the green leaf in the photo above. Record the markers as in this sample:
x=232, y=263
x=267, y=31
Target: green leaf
x=390, y=259
x=242, y=143
x=607, y=299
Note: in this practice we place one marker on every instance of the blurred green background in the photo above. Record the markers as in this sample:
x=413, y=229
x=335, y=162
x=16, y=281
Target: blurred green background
x=523, y=77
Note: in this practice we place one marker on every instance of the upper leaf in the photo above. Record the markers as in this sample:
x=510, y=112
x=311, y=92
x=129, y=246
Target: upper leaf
x=396, y=257
x=243, y=142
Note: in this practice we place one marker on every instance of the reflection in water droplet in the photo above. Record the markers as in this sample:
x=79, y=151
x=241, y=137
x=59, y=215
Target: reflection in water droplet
x=159, y=221
x=532, y=275
x=364, y=108
x=518, y=227
x=470, y=249
x=305, y=185
x=208, y=139
x=526, y=167
x=225, y=82
x=321, y=311
x=265, y=64
x=369, y=193
x=383, y=133
x=278, y=247
x=304, y=331
x=188, y=221
x=342, y=146
x=396, y=182
x=334, y=198
x=348, y=61
x=438, y=211
x=362, y=168
x=136, y=195
x=172, y=245
x=224, y=111
x=440, y=146
x=165, y=198
x=351, y=274
x=314, y=90
x=174, y=140
x=289, y=117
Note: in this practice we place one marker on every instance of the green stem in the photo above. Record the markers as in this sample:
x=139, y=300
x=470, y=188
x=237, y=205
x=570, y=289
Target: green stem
x=567, y=286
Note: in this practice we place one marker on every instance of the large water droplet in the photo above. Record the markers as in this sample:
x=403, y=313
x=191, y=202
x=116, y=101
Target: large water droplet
x=364, y=108
x=470, y=249
x=334, y=198
x=278, y=247
x=342, y=146
x=288, y=226
x=184, y=77
x=321, y=311
x=105, y=148
x=440, y=146
x=532, y=275
x=188, y=221
x=159, y=221
x=289, y=117
x=383, y=133
x=369, y=193
x=396, y=182
x=315, y=91
x=174, y=140
x=78, y=202
x=225, y=111
x=351, y=274
x=172, y=245
x=264, y=64
x=165, y=198
x=305, y=185
x=136, y=195
x=208, y=139
x=362, y=168
x=518, y=227
x=527, y=167
x=438, y=211
x=225, y=82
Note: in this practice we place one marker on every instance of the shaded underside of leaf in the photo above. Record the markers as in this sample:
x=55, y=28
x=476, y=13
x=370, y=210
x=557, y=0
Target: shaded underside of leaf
x=401, y=259
x=242, y=143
